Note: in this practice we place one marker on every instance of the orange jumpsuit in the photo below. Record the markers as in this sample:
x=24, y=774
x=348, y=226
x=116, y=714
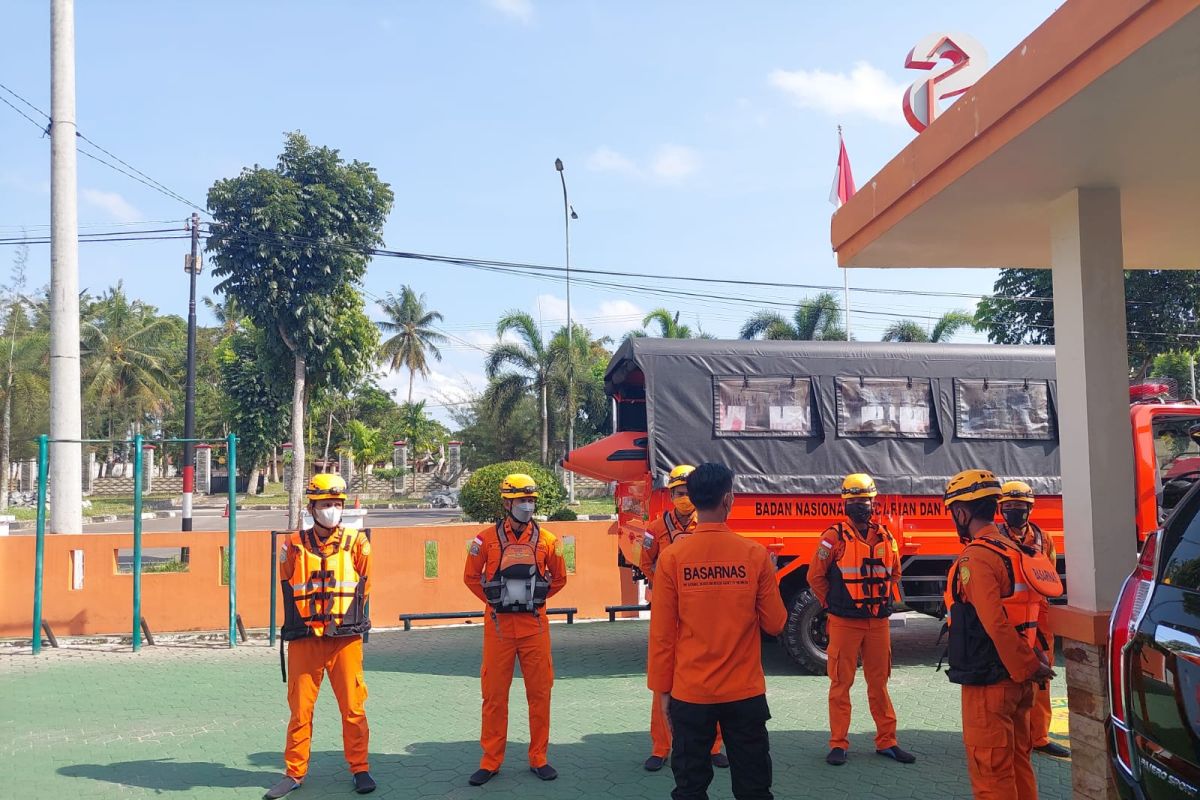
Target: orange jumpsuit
x=511, y=636
x=851, y=637
x=1041, y=714
x=996, y=717
x=658, y=538
x=311, y=658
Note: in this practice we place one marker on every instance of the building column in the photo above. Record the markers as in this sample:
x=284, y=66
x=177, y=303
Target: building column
x=346, y=468
x=203, y=483
x=400, y=462
x=1096, y=450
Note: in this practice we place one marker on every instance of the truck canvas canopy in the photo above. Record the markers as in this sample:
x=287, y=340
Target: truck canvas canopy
x=795, y=417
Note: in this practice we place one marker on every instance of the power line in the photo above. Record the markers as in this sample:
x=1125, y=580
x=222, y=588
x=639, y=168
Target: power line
x=145, y=179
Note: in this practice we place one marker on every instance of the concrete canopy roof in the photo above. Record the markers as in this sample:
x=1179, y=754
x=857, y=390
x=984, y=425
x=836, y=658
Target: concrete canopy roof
x=1100, y=95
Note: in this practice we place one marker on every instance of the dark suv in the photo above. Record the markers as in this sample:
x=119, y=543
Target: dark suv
x=1154, y=665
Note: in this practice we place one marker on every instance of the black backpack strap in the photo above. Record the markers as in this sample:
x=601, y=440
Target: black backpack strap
x=282, y=662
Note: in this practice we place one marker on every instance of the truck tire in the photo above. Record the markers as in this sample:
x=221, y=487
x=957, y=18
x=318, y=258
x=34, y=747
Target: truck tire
x=804, y=638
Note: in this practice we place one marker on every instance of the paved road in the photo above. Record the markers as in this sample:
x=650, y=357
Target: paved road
x=190, y=720
x=213, y=520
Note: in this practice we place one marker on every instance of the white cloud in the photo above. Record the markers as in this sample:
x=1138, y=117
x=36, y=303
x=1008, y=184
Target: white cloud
x=674, y=162
x=671, y=162
x=865, y=90
x=520, y=10
x=111, y=203
x=605, y=159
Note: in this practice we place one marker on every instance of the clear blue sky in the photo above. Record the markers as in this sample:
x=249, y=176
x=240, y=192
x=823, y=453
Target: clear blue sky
x=699, y=139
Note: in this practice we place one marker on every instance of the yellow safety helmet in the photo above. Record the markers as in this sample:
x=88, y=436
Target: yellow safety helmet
x=859, y=484
x=1016, y=490
x=326, y=486
x=678, y=476
x=518, y=485
x=971, y=484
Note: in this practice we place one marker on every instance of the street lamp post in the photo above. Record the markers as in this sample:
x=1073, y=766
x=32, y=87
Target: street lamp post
x=568, y=215
x=192, y=265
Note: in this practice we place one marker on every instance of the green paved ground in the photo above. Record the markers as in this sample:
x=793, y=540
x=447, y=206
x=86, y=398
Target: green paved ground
x=190, y=720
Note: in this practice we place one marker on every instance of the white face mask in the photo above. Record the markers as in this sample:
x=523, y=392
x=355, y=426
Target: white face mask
x=523, y=512
x=328, y=517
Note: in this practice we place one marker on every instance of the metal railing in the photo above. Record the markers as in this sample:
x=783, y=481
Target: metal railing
x=138, y=442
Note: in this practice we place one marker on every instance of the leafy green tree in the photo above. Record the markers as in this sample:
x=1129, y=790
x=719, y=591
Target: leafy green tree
x=290, y=244
x=480, y=495
x=412, y=339
x=908, y=330
x=1178, y=367
x=424, y=435
x=489, y=436
x=1162, y=311
x=228, y=313
x=515, y=369
x=366, y=445
x=815, y=319
x=256, y=397
x=26, y=372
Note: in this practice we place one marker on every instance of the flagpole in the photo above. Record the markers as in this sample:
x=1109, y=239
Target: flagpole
x=846, y=271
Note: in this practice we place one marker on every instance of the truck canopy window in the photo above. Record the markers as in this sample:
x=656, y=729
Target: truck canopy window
x=1003, y=409
x=885, y=407
x=775, y=405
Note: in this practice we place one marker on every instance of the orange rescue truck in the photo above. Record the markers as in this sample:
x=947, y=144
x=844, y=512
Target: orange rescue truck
x=793, y=418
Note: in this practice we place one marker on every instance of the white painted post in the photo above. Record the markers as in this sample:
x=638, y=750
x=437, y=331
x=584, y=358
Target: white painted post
x=203, y=469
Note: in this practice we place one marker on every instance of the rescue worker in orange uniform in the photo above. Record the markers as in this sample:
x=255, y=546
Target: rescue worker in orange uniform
x=855, y=574
x=514, y=567
x=675, y=524
x=992, y=615
x=715, y=592
x=325, y=573
x=1016, y=504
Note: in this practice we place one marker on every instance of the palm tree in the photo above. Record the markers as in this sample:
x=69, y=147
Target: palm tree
x=576, y=379
x=124, y=345
x=27, y=375
x=228, y=313
x=815, y=319
x=530, y=361
x=907, y=330
x=668, y=324
x=413, y=338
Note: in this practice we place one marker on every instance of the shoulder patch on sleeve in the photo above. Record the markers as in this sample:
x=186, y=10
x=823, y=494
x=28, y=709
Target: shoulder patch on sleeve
x=283, y=553
x=964, y=574
x=824, y=551
x=476, y=545
x=647, y=540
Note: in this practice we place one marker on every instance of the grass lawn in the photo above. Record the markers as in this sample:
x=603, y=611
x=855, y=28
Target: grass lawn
x=594, y=505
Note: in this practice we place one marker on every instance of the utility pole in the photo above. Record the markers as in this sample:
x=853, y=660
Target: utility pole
x=568, y=213
x=66, y=453
x=192, y=267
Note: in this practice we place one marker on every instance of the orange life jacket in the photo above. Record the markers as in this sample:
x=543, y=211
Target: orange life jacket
x=860, y=582
x=517, y=585
x=974, y=660
x=326, y=595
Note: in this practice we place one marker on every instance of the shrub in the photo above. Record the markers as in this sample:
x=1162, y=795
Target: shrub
x=480, y=495
x=388, y=473
x=563, y=515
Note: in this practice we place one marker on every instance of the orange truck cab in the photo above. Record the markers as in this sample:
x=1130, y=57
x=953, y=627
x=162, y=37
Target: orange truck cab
x=792, y=418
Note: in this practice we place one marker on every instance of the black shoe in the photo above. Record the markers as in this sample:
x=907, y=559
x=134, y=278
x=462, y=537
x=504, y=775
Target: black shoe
x=895, y=753
x=836, y=757
x=363, y=782
x=545, y=772
x=286, y=785
x=654, y=763
x=720, y=761
x=1053, y=749
x=481, y=776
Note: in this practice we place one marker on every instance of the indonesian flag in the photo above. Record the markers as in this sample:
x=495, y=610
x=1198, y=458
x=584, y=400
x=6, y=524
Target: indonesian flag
x=843, y=179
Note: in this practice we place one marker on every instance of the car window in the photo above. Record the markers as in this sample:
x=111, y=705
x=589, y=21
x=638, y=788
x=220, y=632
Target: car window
x=1176, y=453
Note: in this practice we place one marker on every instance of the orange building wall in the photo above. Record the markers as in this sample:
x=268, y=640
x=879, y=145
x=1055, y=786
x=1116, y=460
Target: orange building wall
x=196, y=599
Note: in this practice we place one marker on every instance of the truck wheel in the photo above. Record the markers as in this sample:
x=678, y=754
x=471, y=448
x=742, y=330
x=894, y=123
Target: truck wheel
x=804, y=638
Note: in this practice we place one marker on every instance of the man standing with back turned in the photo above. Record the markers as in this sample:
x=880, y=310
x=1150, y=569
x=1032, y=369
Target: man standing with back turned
x=713, y=593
